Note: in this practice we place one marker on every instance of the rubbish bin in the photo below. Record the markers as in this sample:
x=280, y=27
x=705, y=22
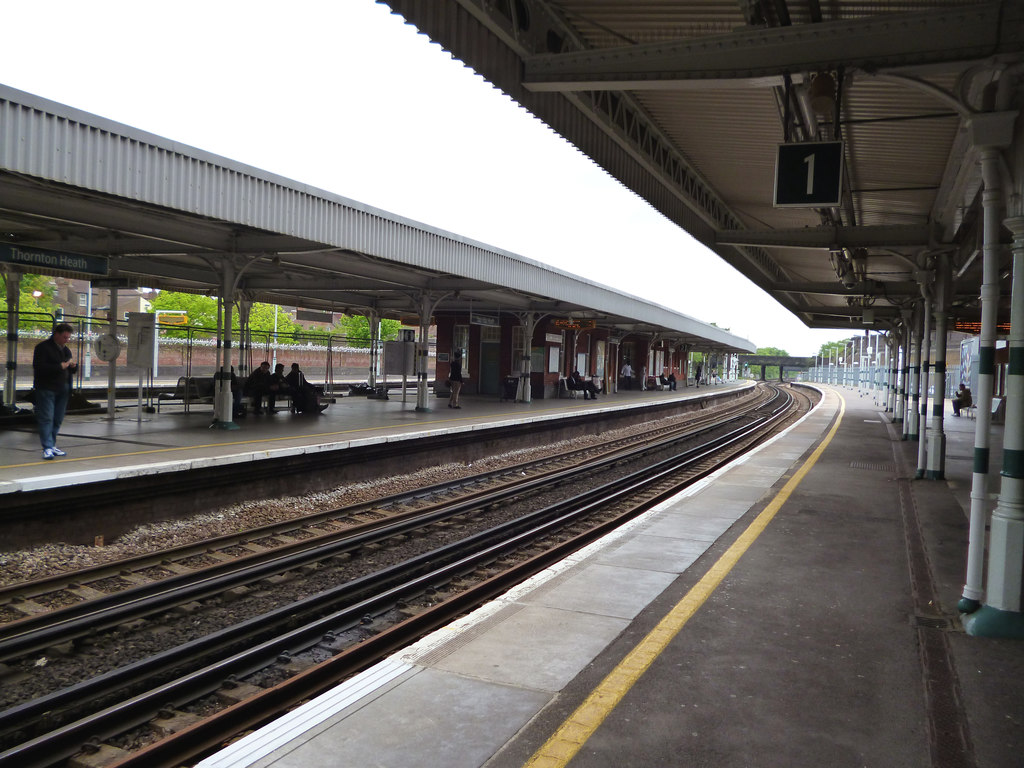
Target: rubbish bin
x=509, y=388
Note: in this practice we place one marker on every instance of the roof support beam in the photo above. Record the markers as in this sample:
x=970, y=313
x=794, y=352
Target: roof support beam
x=832, y=238
x=935, y=36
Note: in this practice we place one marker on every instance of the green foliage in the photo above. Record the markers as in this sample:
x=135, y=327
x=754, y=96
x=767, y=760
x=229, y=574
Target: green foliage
x=833, y=348
x=356, y=330
x=202, y=312
x=29, y=304
x=773, y=351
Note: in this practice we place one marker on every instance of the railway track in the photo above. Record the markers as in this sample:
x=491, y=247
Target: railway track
x=243, y=673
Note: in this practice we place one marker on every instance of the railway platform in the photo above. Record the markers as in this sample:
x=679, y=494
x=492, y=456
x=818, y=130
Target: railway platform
x=135, y=443
x=798, y=608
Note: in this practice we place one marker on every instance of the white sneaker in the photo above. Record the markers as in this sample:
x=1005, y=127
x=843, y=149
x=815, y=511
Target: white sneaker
x=57, y=451
x=48, y=453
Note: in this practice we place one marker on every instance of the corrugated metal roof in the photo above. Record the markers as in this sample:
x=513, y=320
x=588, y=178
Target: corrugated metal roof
x=329, y=250
x=684, y=102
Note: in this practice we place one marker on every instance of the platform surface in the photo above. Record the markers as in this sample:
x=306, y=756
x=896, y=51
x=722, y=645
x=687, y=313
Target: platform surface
x=133, y=443
x=786, y=627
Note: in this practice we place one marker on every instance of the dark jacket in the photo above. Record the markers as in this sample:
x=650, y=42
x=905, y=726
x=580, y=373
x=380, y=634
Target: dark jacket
x=455, y=370
x=46, y=371
x=258, y=382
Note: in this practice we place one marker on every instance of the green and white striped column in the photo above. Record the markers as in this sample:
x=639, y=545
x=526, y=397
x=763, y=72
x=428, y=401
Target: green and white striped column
x=1001, y=615
x=922, y=389
x=992, y=204
x=936, y=464
x=913, y=397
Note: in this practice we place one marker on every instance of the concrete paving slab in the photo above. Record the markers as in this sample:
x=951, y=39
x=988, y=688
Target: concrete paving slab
x=604, y=590
x=534, y=647
x=689, y=527
x=659, y=553
x=429, y=720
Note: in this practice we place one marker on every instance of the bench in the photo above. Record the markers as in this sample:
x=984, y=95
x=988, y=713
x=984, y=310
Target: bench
x=188, y=391
x=564, y=390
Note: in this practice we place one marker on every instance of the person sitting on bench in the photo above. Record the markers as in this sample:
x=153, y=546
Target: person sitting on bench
x=577, y=382
x=962, y=399
x=258, y=386
x=304, y=395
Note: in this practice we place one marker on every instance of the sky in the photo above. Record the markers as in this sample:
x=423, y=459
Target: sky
x=344, y=96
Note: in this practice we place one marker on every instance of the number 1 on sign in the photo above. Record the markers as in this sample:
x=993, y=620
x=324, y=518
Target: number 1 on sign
x=809, y=162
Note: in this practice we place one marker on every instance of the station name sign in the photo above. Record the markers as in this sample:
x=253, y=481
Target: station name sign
x=490, y=320
x=67, y=262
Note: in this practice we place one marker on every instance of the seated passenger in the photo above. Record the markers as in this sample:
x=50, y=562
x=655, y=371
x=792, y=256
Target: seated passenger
x=237, y=408
x=304, y=395
x=962, y=399
x=258, y=386
x=667, y=381
x=577, y=382
x=278, y=386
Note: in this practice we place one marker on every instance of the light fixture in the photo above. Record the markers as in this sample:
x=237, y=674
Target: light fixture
x=823, y=94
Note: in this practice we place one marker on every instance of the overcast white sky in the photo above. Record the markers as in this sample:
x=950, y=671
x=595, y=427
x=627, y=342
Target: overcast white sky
x=342, y=95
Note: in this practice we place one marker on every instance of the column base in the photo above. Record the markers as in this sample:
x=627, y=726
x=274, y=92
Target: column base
x=992, y=622
x=968, y=605
x=224, y=425
x=422, y=409
x=935, y=474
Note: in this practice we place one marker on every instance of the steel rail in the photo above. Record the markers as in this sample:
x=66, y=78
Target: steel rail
x=68, y=739
x=84, y=575
x=35, y=633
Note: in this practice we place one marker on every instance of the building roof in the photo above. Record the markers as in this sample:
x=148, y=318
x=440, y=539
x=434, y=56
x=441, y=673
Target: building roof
x=686, y=103
x=170, y=216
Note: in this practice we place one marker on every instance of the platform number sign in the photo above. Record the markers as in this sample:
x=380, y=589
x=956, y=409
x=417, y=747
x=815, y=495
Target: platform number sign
x=809, y=174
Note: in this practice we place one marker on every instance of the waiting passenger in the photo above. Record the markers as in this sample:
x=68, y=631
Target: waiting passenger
x=578, y=383
x=962, y=399
x=304, y=395
x=237, y=408
x=669, y=381
x=627, y=375
x=455, y=380
x=258, y=387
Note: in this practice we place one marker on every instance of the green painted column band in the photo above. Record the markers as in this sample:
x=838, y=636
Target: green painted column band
x=981, y=461
x=986, y=360
x=1013, y=463
x=938, y=409
x=1016, y=364
x=940, y=367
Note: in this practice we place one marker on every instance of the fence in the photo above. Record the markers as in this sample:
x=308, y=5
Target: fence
x=330, y=360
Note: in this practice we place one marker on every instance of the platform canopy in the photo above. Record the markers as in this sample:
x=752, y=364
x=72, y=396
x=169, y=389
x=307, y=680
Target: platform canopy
x=882, y=110
x=86, y=196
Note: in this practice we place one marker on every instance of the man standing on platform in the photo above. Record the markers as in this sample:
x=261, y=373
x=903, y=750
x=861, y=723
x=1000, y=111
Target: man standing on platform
x=52, y=369
x=627, y=375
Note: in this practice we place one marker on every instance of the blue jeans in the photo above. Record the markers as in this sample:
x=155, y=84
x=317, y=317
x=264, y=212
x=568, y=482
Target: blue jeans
x=50, y=408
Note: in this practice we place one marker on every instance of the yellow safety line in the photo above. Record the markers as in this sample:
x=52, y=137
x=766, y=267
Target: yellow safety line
x=570, y=737
x=254, y=441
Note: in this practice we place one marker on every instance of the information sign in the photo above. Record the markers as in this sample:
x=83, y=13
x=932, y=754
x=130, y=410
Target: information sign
x=809, y=174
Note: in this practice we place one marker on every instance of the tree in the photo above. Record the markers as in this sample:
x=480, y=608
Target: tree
x=202, y=313
x=356, y=330
x=201, y=310
x=28, y=304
